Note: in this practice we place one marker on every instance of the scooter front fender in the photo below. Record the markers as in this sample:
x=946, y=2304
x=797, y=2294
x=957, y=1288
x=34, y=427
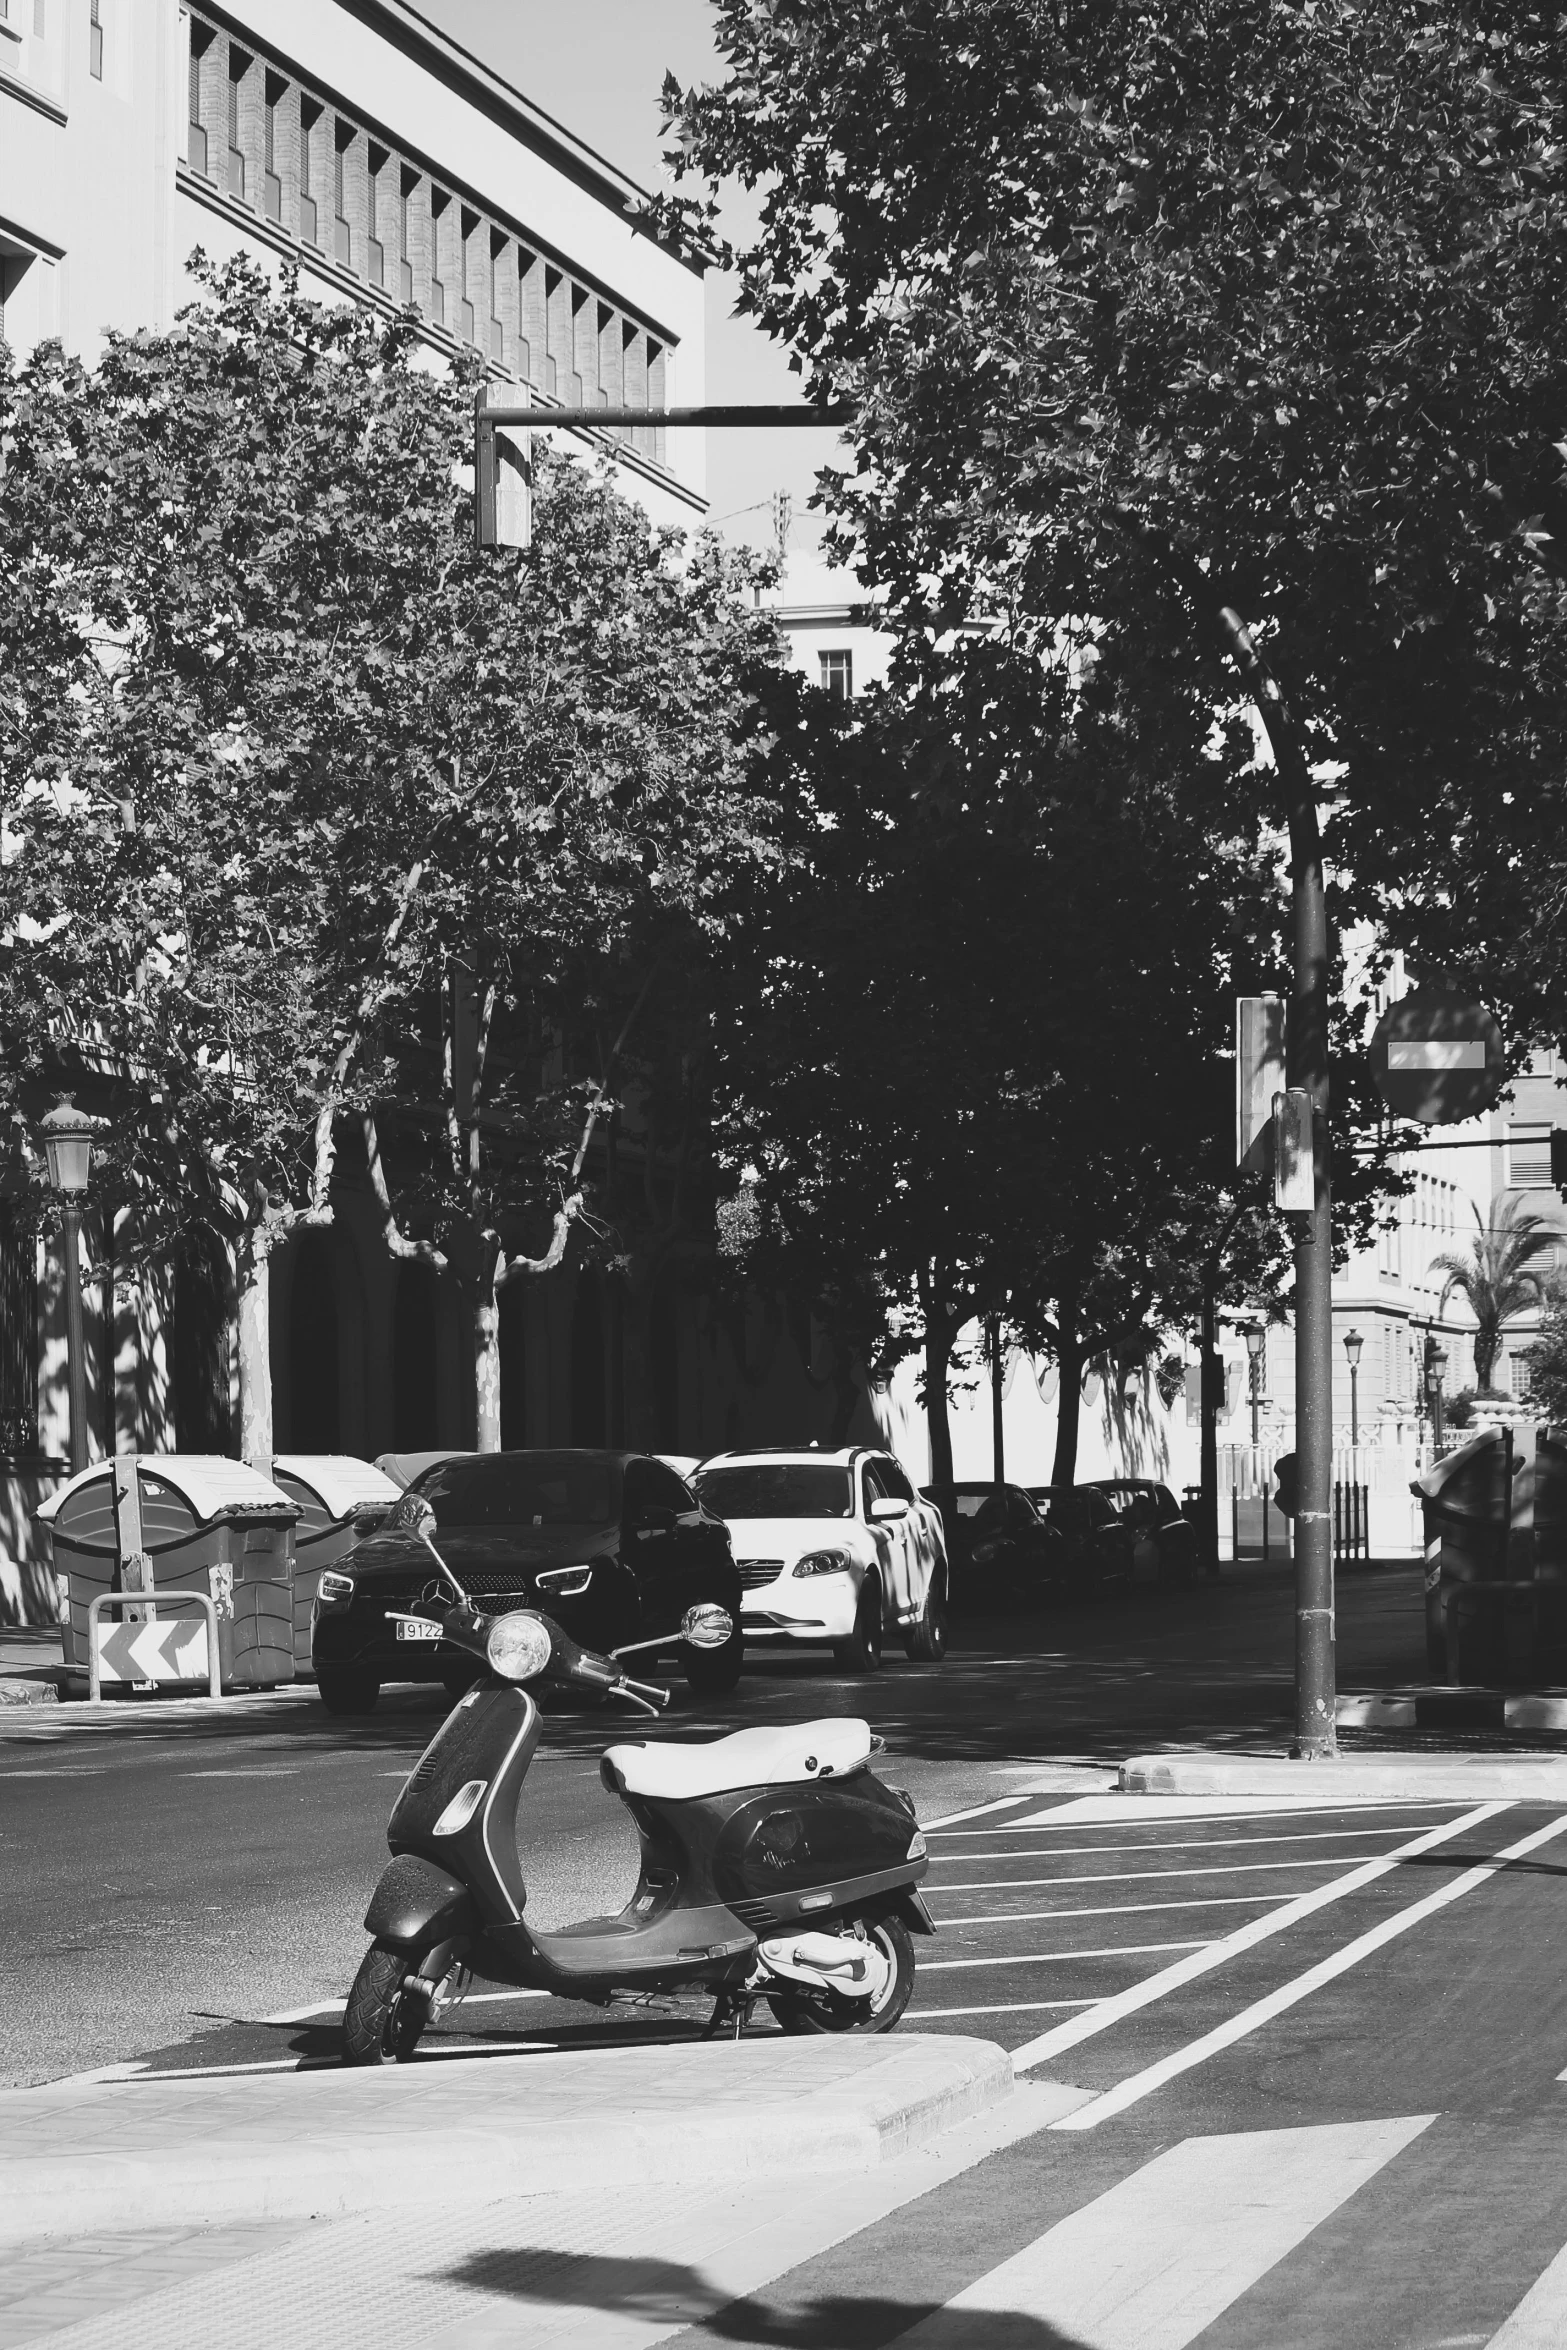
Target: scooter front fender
x=417, y=1904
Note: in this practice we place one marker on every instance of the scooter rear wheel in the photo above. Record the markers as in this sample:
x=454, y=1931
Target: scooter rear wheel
x=382, y=2018
x=802, y=2011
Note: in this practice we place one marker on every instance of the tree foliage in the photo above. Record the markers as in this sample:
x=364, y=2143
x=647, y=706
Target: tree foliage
x=1503, y=1275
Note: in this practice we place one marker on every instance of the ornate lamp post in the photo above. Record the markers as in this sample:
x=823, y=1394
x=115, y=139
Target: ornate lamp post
x=68, y=1148
x=1254, y=1334
x=1436, y=1372
x=1353, y=1342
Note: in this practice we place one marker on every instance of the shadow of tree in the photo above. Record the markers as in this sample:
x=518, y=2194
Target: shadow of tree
x=670, y=2293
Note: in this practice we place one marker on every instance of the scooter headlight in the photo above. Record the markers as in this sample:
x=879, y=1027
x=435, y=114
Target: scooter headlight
x=518, y=1646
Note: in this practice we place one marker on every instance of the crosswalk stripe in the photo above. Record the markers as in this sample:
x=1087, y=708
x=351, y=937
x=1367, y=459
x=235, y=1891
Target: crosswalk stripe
x=1540, y=2320
x=1262, y=2011
x=1149, y=2264
x=1105, y=1811
x=979, y=1811
x=1215, y=1954
x=946, y=1966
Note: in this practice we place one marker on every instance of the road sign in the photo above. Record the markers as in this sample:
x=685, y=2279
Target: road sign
x=1438, y=1057
x=175, y=1650
x=1259, y=1075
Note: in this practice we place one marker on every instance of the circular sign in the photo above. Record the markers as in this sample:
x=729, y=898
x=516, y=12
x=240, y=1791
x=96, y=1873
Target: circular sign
x=1438, y=1057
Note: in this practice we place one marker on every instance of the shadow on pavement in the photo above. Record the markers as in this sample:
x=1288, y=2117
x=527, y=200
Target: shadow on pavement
x=664, y=2291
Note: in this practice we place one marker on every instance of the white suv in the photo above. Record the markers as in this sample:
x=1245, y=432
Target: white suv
x=833, y=1548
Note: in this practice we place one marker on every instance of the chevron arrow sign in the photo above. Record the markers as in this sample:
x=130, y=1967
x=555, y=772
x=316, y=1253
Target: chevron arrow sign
x=171, y=1651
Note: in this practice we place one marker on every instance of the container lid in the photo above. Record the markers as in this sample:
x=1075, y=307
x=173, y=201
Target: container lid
x=404, y=1467
x=213, y=1485
x=338, y=1479
x=1465, y=1480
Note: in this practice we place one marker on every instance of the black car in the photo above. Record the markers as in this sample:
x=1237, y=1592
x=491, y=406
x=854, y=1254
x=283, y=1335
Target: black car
x=1164, y=1540
x=613, y=1545
x=1095, y=1546
x=1002, y=1554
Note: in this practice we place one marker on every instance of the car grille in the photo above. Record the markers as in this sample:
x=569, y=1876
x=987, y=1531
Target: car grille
x=755, y=1572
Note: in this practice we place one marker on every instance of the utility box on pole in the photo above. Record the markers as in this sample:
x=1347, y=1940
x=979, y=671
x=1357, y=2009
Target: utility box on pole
x=1294, y=1153
x=1259, y=1075
x=502, y=476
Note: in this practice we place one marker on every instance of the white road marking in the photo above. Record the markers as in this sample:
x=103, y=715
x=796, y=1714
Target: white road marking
x=1262, y=2011
x=1174, y=1844
x=1154, y=2261
x=945, y=1966
x=1215, y=1954
x=1103, y=1811
x=1231, y=1868
x=291, y=1773
x=920, y=2015
x=1116, y=1909
x=950, y=1818
x=1540, y=2320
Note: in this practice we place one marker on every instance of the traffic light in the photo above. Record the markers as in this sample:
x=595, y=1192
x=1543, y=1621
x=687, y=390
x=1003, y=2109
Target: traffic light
x=502, y=477
x=1559, y=1159
x=1286, y=1478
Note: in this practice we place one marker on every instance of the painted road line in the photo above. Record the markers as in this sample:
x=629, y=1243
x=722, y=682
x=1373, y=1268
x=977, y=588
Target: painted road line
x=946, y=1966
x=1262, y=2011
x=1168, y=1844
x=922, y=2015
x=1116, y=1909
x=1229, y=1868
x=980, y=1810
x=325, y=2007
x=1540, y=2320
x=1152, y=2263
x=1106, y=1811
x=1216, y=1954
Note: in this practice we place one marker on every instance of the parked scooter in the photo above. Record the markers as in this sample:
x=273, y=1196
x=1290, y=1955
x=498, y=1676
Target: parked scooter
x=775, y=1864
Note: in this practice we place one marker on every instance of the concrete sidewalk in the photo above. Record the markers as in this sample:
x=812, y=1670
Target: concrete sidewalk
x=1457, y=1777
x=90, y=2154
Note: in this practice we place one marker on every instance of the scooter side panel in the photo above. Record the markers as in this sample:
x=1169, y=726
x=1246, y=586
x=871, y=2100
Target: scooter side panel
x=490, y=1734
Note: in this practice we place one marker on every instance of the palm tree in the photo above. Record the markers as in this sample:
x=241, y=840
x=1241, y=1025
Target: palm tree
x=1496, y=1277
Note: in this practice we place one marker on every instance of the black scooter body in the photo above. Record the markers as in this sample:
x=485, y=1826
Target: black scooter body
x=718, y=1871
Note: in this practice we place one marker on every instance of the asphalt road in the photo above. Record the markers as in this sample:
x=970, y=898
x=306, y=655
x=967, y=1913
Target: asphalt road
x=174, y=1875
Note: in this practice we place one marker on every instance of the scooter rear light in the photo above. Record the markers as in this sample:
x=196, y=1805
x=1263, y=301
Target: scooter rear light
x=461, y=1809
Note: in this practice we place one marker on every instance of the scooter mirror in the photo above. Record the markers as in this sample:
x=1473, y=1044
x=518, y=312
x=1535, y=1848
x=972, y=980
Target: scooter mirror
x=412, y=1514
x=707, y=1626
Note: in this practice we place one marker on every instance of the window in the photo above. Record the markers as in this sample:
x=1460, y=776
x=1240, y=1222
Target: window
x=342, y=235
x=439, y=204
x=407, y=181
x=309, y=218
x=497, y=275
x=272, y=184
x=778, y=1489
x=238, y=66
x=1528, y=1159
x=95, y=41
x=894, y=1483
x=40, y=20
x=838, y=676
x=654, y=1485
x=524, y=1489
x=375, y=254
x=198, y=137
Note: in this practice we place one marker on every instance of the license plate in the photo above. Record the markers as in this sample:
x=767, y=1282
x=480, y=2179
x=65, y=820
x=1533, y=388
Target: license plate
x=411, y=1631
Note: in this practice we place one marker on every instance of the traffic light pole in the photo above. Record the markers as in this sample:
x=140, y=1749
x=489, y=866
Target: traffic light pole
x=1316, y=1732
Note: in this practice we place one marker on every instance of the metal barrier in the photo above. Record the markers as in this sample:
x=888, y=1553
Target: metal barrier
x=148, y=1599
x=1351, y=1523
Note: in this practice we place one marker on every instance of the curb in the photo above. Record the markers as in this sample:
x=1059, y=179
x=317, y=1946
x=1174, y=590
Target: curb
x=1417, y=1778
x=1454, y=1708
x=326, y=2144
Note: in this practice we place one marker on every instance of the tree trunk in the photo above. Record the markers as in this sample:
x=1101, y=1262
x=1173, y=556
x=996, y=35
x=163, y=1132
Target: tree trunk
x=938, y=1355
x=1069, y=1399
x=487, y=1369
x=255, y=1353
x=1488, y=1345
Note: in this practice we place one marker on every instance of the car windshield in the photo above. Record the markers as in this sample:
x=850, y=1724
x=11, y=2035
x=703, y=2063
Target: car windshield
x=778, y=1489
x=1066, y=1507
x=969, y=1505
x=525, y=1489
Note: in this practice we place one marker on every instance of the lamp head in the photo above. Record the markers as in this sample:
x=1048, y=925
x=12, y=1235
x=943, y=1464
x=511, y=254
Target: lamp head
x=1253, y=1334
x=1353, y=1342
x=1438, y=1364
x=68, y=1138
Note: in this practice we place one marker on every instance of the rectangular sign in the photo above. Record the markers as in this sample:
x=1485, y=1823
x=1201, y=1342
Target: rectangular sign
x=1466, y=1052
x=1294, y=1162
x=1259, y=1075
x=173, y=1650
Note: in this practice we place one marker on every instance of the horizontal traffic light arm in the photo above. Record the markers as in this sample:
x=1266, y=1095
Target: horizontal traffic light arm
x=590, y=419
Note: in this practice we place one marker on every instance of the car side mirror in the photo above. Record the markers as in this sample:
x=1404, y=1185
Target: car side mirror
x=889, y=1509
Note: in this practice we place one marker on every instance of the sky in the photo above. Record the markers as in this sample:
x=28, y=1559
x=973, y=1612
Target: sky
x=598, y=67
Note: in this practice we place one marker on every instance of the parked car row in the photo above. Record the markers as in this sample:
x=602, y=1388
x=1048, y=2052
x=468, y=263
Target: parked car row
x=803, y=1548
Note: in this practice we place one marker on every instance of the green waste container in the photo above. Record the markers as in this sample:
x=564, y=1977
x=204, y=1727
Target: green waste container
x=183, y=1521
x=328, y=1487
x=1481, y=1621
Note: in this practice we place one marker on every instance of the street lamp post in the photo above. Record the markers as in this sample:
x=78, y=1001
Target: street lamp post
x=1254, y=1335
x=68, y=1150
x=1436, y=1372
x=1353, y=1342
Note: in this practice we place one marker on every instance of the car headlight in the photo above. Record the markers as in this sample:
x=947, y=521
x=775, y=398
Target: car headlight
x=824, y=1562
x=564, y=1582
x=518, y=1647
x=334, y=1588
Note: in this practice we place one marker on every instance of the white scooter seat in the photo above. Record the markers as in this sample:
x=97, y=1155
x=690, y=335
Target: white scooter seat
x=678, y=1769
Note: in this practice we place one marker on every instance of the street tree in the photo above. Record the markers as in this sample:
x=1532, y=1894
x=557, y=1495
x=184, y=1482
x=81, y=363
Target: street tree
x=373, y=775
x=1504, y=1273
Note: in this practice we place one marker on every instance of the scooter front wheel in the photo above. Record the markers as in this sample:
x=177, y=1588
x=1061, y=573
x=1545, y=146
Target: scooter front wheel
x=383, y=2018
x=799, y=2010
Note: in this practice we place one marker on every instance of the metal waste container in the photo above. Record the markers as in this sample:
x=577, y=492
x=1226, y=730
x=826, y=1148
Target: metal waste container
x=176, y=1521
x=328, y=1487
x=1479, y=1567
x=1540, y=1489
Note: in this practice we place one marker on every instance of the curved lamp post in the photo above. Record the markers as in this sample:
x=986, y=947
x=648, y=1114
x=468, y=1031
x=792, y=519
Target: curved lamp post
x=68, y=1137
x=1353, y=1342
x=1436, y=1372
